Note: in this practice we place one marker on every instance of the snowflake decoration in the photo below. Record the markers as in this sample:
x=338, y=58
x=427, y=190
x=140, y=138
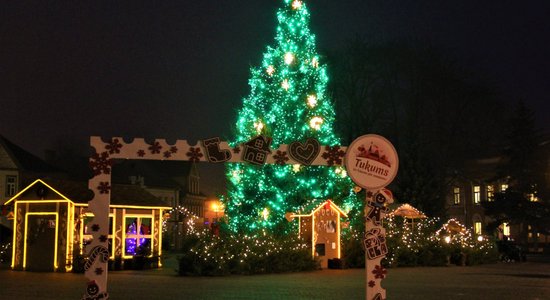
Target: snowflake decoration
x=155, y=148
x=98, y=271
x=237, y=150
x=379, y=272
x=103, y=238
x=372, y=283
x=280, y=157
x=333, y=155
x=167, y=154
x=104, y=187
x=141, y=153
x=100, y=163
x=95, y=227
x=174, y=149
x=194, y=154
x=113, y=146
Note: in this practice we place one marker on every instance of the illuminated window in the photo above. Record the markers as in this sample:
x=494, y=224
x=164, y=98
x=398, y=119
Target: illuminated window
x=86, y=232
x=503, y=187
x=138, y=235
x=11, y=185
x=456, y=195
x=477, y=228
x=490, y=193
x=477, y=194
x=505, y=229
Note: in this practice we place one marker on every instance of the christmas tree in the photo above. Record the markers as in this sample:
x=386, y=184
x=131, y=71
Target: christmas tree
x=287, y=102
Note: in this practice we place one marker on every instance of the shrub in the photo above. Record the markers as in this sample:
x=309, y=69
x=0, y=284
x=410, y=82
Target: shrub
x=205, y=254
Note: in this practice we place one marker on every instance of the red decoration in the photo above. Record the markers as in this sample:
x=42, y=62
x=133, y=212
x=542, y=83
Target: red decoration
x=104, y=187
x=194, y=154
x=113, y=146
x=379, y=272
x=167, y=154
x=173, y=149
x=141, y=153
x=333, y=155
x=280, y=157
x=155, y=148
x=100, y=163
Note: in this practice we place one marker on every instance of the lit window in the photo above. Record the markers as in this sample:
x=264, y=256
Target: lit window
x=505, y=229
x=490, y=193
x=11, y=186
x=503, y=187
x=456, y=195
x=86, y=232
x=477, y=194
x=477, y=228
x=138, y=235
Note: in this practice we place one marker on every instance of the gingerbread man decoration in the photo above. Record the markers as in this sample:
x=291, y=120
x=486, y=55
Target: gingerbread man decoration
x=376, y=206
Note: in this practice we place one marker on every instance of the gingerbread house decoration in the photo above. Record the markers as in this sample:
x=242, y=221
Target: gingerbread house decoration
x=321, y=227
x=52, y=229
x=257, y=149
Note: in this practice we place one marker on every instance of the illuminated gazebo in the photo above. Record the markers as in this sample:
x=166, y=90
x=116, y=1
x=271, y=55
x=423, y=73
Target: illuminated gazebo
x=407, y=211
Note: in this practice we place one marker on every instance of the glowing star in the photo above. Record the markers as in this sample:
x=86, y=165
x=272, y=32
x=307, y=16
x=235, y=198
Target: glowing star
x=285, y=85
x=315, y=62
x=297, y=4
x=296, y=168
x=270, y=70
x=258, y=126
x=316, y=123
x=311, y=101
x=265, y=214
x=289, y=58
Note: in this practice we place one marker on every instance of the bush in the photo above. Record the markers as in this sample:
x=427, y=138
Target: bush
x=205, y=254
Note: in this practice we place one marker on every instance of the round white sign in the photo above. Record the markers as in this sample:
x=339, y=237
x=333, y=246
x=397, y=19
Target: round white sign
x=371, y=161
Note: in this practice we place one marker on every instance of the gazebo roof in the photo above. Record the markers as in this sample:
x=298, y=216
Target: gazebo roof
x=408, y=211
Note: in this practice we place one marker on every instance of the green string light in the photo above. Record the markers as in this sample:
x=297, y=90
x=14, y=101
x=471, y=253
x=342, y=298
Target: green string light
x=279, y=105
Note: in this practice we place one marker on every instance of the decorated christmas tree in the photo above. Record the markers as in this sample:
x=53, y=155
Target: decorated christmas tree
x=288, y=102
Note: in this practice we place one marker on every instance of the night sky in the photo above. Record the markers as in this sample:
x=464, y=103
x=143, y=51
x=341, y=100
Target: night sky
x=179, y=69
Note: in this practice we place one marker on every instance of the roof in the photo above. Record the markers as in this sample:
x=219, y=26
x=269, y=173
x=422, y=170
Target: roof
x=78, y=192
x=15, y=157
x=157, y=173
x=322, y=204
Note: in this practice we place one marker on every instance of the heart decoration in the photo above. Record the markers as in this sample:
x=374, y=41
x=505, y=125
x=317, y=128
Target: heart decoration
x=304, y=153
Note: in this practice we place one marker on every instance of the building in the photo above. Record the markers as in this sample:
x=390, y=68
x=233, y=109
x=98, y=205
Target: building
x=478, y=183
x=17, y=168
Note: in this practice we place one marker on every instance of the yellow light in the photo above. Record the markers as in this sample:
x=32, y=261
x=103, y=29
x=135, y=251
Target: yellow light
x=289, y=58
x=315, y=62
x=480, y=238
x=447, y=239
x=285, y=84
x=265, y=213
x=215, y=207
x=311, y=101
x=258, y=126
x=316, y=123
x=296, y=168
x=297, y=4
x=270, y=70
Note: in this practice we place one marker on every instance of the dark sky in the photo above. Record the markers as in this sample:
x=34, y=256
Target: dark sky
x=179, y=69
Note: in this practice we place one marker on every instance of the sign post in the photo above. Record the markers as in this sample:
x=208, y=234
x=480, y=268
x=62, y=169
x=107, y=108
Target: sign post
x=371, y=162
